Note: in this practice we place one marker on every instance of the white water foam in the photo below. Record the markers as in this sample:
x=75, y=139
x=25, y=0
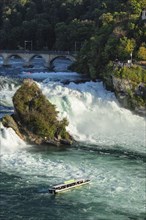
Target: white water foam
x=95, y=116
x=48, y=76
x=9, y=140
x=7, y=90
x=111, y=180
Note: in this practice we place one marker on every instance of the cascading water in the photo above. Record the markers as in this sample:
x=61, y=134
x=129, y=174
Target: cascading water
x=95, y=117
x=110, y=150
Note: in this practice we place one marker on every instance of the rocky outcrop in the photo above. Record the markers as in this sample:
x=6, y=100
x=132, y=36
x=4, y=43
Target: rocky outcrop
x=9, y=122
x=35, y=118
x=130, y=96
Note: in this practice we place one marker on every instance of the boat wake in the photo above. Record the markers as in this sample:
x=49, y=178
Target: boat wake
x=109, y=150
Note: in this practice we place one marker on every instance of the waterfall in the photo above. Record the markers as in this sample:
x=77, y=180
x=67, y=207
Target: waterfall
x=95, y=116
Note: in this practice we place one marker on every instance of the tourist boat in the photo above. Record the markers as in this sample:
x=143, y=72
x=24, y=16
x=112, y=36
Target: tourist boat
x=68, y=185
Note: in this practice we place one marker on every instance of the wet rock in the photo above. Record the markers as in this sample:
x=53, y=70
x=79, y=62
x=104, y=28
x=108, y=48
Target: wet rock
x=130, y=96
x=35, y=119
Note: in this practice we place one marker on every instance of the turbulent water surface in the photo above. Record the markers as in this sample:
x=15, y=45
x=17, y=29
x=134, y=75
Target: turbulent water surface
x=110, y=151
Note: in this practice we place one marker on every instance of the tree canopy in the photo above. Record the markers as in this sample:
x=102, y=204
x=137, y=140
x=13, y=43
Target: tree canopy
x=99, y=30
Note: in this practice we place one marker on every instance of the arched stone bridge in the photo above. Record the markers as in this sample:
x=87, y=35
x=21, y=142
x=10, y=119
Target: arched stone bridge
x=27, y=56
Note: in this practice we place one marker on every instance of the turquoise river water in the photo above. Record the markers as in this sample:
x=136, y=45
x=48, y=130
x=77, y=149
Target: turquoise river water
x=110, y=151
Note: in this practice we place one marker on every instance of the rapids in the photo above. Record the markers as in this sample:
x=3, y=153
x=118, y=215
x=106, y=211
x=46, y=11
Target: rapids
x=110, y=150
x=94, y=114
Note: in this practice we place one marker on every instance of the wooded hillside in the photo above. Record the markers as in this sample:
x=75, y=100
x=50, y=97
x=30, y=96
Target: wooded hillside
x=101, y=31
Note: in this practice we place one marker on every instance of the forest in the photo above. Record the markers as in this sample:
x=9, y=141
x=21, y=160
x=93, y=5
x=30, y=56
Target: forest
x=99, y=31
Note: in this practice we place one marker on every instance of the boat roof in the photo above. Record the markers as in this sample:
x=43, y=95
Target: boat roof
x=68, y=182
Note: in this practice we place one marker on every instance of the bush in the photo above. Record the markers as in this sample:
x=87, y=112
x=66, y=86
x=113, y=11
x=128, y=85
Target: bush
x=37, y=113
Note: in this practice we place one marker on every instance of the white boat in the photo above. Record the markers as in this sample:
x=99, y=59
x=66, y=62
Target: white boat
x=68, y=185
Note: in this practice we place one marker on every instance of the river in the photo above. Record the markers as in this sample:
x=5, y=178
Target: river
x=110, y=151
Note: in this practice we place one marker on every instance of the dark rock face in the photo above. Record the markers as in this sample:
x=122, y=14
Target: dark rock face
x=129, y=96
x=8, y=121
x=35, y=118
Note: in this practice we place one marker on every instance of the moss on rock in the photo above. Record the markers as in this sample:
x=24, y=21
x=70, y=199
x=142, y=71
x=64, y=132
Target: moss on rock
x=129, y=85
x=36, y=117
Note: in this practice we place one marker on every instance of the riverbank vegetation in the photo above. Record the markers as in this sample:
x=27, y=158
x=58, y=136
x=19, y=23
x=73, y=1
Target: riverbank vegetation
x=103, y=33
x=100, y=31
x=108, y=29
x=129, y=85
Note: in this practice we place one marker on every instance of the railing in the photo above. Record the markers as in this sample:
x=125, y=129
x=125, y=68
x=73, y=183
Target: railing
x=72, y=53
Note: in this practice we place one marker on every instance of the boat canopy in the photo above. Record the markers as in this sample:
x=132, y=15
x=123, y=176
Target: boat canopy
x=68, y=182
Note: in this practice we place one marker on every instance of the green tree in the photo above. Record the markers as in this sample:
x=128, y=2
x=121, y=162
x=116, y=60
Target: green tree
x=62, y=36
x=125, y=47
x=106, y=18
x=24, y=2
x=142, y=52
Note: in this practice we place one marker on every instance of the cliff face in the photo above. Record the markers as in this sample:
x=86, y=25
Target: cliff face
x=133, y=98
x=130, y=96
x=35, y=118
